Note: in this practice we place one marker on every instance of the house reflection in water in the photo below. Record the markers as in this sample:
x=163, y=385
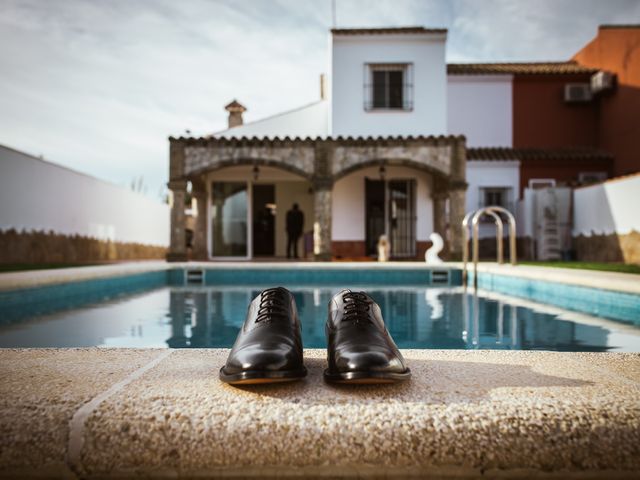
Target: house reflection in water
x=207, y=317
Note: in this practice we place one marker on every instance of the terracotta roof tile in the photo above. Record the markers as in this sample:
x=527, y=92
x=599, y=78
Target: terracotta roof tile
x=504, y=153
x=528, y=68
x=386, y=30
x=360, y=140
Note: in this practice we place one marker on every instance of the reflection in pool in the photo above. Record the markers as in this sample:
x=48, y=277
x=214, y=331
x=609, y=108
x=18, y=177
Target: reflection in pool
x=417, y=317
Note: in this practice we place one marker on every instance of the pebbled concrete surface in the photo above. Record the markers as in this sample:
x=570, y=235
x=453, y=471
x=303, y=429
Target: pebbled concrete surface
x=465, y=413
x=41, y=389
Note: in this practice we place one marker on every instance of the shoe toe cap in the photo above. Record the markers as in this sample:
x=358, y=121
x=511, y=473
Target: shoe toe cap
x=261, y=359
x=373, y=361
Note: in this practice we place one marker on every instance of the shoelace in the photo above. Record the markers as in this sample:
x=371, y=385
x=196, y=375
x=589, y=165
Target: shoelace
x=273, y=302
x=356, y=307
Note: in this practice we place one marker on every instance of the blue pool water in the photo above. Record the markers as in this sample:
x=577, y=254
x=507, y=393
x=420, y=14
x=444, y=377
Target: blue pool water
x=157, y=310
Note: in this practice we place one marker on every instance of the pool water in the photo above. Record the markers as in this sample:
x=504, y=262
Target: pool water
x=417, y=317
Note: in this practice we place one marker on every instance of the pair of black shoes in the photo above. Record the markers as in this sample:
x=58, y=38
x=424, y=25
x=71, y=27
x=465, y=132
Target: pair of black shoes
x=269, y=346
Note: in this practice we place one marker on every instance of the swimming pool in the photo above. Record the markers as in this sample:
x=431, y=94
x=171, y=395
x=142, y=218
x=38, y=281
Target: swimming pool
x=422, y=309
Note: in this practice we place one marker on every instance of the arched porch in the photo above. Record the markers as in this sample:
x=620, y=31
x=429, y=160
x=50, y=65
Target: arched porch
x=243, y=211
x=383, y=198
x=424, y=182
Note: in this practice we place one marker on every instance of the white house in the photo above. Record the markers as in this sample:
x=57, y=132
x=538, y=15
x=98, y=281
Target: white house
x=382, y=152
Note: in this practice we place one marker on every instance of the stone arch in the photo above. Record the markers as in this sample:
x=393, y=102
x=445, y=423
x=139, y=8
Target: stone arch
x=260, y=162
x=393, y=162
x=207, y=156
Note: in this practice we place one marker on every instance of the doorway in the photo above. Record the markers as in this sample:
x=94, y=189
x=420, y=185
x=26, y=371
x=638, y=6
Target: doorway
x=264, y=220
x=390, y=208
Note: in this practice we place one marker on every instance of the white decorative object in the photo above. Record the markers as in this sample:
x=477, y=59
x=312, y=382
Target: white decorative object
x=384, y=248
x=431, y=255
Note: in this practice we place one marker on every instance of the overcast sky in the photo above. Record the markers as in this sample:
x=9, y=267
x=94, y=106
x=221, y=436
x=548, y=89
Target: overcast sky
x=99, y=85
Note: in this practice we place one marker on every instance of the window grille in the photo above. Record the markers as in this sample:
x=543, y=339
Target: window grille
x=388, y=86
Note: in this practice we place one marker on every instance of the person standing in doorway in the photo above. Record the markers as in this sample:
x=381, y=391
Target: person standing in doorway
x=295, y=224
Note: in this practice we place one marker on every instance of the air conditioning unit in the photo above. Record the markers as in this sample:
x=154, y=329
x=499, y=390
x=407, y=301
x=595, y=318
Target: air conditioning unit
x=577, y=92
x=602, y=81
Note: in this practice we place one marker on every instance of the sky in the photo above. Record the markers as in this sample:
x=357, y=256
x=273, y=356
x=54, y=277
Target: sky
x=98, y=86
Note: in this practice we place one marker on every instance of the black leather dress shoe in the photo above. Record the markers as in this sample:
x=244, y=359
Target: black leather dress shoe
x=269, y=346
x=360, y=349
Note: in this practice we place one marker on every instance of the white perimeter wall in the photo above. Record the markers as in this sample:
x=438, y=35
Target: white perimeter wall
x=348, y=208
x=487, y=174
x=38, y=195
x=349, y=54
x=609, y=207
x=481, y=108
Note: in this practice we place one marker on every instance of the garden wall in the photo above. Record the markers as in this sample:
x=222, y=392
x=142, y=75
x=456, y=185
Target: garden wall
x=51, y=214
x=606, y=224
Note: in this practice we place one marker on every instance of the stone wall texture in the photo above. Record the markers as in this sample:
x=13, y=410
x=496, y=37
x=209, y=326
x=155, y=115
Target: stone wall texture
x=49, y=247
x=608, y=248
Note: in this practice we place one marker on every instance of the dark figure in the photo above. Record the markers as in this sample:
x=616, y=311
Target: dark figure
x=295, y=223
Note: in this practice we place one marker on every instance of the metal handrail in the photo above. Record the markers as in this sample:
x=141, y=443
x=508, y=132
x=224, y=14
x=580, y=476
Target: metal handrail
x=465, y=239
x=475, y=218
x=513, y=258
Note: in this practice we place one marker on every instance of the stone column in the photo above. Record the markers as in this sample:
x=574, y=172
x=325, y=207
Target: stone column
x=322, y=188
x=178, y=246
x=457, y=199
x=440, y=197
x=322, y=220
x=200, y=228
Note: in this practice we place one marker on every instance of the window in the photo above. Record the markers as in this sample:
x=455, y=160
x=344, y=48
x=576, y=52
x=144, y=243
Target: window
x=495, y=196
x=592, y=177
x=388, y=87
x=538, y=183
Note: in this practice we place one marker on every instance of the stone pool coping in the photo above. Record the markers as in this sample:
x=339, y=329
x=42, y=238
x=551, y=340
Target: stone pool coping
x=116, y=413
x=621, y=282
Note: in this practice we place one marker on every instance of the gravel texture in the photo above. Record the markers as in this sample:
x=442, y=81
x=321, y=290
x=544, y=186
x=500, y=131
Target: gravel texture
x=464, y=413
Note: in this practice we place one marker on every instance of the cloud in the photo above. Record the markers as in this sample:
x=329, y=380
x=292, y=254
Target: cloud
x=99, y=86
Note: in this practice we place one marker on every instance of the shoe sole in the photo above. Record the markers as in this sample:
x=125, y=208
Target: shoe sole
x=366, y=378
x=255, y=377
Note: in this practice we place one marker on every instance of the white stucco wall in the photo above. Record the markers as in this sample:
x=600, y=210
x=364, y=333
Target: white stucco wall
x=38, y=195
x=481, y=108
x=350, y=53
x=348, y=203
x=489, y=174
x=609, y=207
x=307, y=121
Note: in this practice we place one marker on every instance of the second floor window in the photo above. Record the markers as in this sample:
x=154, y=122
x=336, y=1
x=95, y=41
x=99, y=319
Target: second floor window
x=388, y=87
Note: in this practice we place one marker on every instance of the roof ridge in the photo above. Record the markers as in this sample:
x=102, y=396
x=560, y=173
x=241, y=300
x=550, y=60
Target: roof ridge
x=528, y=153
x=386, y=30
x=567, y=67
x=298, y=138
x=548, y=62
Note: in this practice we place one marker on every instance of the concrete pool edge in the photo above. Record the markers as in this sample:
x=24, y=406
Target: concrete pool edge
x=465, y=413
x=619, y=282
x=614, y=281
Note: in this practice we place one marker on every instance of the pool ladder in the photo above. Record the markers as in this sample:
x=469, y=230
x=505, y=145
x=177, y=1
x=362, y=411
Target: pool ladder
x=475, y=216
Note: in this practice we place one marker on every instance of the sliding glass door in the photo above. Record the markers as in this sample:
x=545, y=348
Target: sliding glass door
x=229, y=229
